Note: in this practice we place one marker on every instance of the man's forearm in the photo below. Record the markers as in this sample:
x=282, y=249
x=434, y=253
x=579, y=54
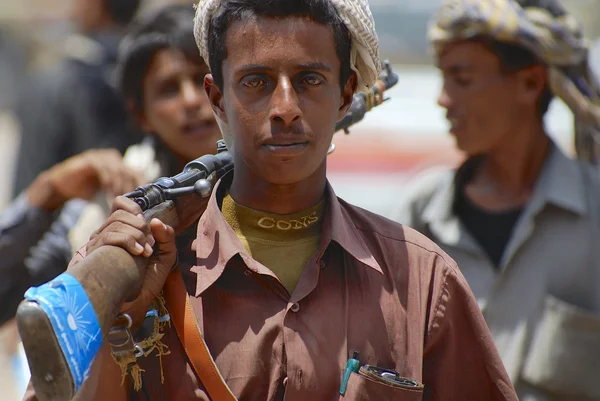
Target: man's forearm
x=104, y=382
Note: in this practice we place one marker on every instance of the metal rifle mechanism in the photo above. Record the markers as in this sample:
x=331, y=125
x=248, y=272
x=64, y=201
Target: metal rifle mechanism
x=197, y=178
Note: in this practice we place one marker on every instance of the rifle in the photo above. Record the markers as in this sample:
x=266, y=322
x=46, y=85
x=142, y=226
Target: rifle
x=110, y=275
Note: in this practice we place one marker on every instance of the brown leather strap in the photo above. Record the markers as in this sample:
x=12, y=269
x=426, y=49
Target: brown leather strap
x=184, y=320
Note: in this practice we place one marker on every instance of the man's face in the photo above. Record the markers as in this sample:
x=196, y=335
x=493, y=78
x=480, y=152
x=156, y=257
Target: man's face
x=176, y=107
x=281, y=97
x=481, y=101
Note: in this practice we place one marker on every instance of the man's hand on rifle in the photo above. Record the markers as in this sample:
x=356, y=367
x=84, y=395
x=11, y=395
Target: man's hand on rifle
x=127, y=229
x=82, y=176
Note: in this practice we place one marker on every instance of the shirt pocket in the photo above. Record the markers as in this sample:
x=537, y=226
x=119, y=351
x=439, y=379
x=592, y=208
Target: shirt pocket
x=362, y=388
x=564, y=355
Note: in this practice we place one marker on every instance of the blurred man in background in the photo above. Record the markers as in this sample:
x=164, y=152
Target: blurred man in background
x=521, y=219
x=74, y=106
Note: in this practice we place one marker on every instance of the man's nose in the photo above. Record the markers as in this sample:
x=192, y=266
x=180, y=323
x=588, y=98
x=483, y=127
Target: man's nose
x=444, y=99
x=285, y=104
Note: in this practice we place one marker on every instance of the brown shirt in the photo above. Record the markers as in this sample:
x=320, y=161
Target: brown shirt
x=373, y=286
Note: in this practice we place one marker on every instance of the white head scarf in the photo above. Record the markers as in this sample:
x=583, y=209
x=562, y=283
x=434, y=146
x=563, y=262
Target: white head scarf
x=355, y=14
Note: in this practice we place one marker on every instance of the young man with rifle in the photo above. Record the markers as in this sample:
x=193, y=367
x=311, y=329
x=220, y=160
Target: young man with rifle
x=294, y=292
x=521, y=218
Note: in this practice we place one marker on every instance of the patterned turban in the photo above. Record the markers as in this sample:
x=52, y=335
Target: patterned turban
x=355, y=14
x=554, y=36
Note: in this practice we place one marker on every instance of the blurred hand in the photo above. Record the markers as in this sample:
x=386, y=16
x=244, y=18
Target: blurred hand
x=127, y=229
x=82, y=176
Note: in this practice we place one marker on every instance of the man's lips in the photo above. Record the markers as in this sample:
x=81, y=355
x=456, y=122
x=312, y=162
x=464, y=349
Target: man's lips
x=454, y=123
x=286, y=147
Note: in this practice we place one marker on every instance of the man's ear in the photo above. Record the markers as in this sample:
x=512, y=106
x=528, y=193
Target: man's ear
x=532, y=82
x=347, y=95
x=215, y=96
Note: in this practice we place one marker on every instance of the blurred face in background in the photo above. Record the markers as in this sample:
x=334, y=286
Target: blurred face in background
x=483, y=102
x=175, y=106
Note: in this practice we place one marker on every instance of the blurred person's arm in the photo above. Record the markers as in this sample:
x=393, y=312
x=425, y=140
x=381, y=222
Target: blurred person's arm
x=34, y=245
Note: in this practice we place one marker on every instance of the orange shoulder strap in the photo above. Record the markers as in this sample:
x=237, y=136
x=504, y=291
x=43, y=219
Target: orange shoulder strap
x=184, y=320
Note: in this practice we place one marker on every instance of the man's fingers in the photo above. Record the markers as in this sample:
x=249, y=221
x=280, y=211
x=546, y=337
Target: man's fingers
x=164, y=236
x=127, y=242
x=121, y=217
x=146, y=240
x=125, y=236
x=125, y=204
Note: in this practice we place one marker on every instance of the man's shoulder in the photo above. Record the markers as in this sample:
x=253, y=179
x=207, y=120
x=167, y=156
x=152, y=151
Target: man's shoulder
x=417, y=193
x=373, y=226
x=590, y=171
x=423, y=185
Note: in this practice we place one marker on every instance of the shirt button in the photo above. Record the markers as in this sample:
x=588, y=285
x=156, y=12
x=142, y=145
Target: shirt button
x=322, y=264
x=248, y=273
x=295, y=307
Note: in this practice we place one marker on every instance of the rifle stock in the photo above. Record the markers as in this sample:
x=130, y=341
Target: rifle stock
x=110, y=276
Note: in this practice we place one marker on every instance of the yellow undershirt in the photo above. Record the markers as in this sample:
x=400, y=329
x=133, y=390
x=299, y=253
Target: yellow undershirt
x=282, y=243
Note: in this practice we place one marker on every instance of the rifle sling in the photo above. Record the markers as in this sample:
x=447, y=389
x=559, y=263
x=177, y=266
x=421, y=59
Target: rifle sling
x=184, y=320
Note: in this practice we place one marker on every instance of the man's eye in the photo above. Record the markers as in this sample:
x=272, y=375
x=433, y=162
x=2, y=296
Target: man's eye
x=312, y=80
x=254, y=83
x=462, y=81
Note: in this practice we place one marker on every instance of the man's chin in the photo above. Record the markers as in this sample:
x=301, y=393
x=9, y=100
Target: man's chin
x=285, y=178
x=286, y=174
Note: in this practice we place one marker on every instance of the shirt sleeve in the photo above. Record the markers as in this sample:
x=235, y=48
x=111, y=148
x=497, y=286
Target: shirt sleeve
x=21, y=227
x=461, y=361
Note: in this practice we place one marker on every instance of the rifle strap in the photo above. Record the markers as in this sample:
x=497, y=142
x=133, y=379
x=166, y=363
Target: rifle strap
x=184, y=320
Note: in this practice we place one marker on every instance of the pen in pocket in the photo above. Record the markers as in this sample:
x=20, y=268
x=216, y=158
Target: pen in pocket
x=352, y=365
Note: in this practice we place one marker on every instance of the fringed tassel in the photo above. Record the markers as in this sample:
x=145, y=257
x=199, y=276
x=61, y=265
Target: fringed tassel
x=129, y=364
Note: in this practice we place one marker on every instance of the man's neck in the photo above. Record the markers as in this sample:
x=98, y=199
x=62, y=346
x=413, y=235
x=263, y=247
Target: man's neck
x=253, y=192
x=508, y=174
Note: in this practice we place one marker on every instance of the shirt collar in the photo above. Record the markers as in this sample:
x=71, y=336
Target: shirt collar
x=216, y=243
x=339, y=227
x=560, y=183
